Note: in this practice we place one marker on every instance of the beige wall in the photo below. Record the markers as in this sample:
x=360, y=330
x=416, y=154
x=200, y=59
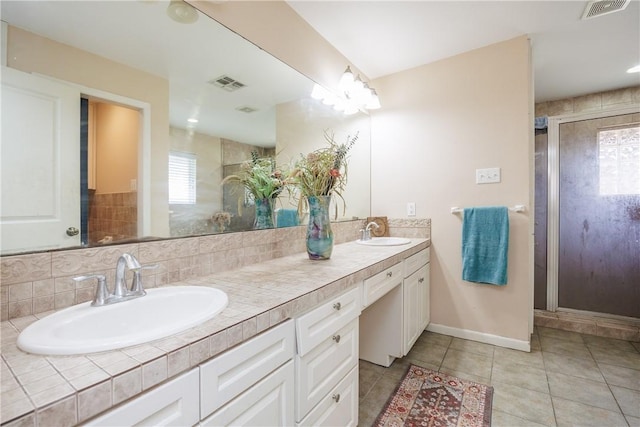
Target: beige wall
x=208, y=152
x=300, y=127
x=439, y=123
x=117, y=136
x=32, y=53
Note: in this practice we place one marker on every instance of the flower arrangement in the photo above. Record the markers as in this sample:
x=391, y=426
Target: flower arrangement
x=221, y=220
x=259, y=177
x=323, y=172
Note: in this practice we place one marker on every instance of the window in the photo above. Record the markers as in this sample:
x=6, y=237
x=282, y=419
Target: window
x=182, y=178
x=619, y=156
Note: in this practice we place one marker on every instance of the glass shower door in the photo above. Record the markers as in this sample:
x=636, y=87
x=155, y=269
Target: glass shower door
x=599, y=224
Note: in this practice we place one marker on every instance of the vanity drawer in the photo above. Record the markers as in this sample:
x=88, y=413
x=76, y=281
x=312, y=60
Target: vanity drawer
x=231, y=373
x=415, y=261
x=339, y=407
x=377, y=286
x=321, y=369
x=321, y=323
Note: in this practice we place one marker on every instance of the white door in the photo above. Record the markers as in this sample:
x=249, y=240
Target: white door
x=40, y=158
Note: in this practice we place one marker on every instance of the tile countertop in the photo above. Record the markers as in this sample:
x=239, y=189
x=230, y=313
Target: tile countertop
x=72, y=389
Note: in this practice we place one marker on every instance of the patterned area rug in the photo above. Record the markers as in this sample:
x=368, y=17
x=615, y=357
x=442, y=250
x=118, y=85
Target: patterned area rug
x=428, y=398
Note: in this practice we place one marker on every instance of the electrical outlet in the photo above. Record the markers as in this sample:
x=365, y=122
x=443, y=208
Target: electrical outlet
x=411, y=209
x=488, y=176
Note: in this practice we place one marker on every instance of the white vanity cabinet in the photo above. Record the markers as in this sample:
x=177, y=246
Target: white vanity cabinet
x=326, y=363
x=416, y=298
x=396, y=309
x=175, y=403
x=251, y=384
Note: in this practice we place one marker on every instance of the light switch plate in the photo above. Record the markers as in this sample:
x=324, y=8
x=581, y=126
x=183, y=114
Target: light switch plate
x=487, y=176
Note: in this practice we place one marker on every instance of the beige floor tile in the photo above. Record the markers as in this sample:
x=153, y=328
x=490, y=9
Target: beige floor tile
x=596, y=341
x=523, y=403
x=614, y=356
x=629, y=400
x=520, y=375
x=472, y=363
x=582, y=368
x=560, y=334
x=561, y=346
x=620, y=376
x=427, y=353
x=589, y=392
x=571, y=414
x=435, y=339
x=633, y=421
x=472, y=346
x=502, y=419
x=508, y=356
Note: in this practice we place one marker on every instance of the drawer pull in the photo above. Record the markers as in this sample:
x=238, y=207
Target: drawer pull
x=337, y=306
x=336, y=338
x=390, y=273
x=420, y=280
x=336, y=397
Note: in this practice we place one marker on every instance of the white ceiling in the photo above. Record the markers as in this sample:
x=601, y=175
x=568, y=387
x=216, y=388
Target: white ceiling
x=571, y=57
x=141, y=35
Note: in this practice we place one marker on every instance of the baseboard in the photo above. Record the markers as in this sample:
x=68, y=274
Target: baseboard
x=480, y=337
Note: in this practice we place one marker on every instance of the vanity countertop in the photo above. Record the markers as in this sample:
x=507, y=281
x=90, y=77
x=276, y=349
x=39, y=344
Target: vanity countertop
x=75, y=388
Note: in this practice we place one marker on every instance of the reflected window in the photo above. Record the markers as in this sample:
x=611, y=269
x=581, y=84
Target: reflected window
x=182, y=178
x=619, y=156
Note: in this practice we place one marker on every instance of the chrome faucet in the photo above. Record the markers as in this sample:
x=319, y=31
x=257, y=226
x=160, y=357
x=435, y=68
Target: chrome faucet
x=120, y=291
x=365, y=233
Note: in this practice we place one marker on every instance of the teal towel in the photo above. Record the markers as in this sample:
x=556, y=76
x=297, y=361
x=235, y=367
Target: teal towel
x=485, y=243
x=287, y=218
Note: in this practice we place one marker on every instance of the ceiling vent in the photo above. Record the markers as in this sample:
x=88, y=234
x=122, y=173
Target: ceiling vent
x=227, y=83
x=247, y=109
x=603, y=7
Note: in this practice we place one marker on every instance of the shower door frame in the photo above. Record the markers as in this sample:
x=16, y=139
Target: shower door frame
x=553, y=192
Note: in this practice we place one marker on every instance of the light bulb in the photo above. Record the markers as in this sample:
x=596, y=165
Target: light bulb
x=346, y=81
x=374, y=102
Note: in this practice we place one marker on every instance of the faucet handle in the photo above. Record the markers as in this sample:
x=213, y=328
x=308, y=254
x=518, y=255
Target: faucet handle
x=136, y=286
x=102, y=293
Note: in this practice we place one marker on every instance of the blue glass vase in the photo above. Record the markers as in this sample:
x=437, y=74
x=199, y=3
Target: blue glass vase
x=319, y=234
x=264, y=214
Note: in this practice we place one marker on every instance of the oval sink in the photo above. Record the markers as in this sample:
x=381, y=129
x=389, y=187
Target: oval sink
x=84, y=329
x=384, y=241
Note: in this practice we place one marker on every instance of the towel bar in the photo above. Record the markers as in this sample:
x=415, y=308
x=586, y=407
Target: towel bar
x=516, y=208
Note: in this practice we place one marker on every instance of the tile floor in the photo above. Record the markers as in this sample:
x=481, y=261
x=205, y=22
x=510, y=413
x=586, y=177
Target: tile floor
x=568, y=379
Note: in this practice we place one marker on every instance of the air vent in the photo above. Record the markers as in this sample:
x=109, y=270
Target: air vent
x=247, y=109
x=603, y=7
x=227, y=83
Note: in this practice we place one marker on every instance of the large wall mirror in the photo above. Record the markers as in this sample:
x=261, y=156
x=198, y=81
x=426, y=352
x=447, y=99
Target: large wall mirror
x=119, y=124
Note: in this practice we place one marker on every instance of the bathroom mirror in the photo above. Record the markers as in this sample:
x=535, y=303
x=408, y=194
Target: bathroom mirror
x=130, y=59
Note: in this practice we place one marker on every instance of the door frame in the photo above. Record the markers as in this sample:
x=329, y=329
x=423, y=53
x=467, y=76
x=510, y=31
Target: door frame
x=144, y=146
x=553, y=192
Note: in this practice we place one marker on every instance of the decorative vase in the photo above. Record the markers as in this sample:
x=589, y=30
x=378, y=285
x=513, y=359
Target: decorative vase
x=319, y=234
x=264, y=214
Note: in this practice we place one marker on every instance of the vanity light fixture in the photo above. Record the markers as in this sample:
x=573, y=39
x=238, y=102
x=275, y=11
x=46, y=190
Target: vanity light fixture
x=355, y=95
x=182, y=12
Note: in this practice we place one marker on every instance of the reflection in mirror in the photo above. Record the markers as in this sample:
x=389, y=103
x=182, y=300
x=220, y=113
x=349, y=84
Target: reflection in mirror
x=179, y=80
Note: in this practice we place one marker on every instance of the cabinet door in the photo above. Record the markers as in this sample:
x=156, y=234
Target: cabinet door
x=268, y=403
x=321, y=323
x=339, y=407
x=412, y=296
x=321, y=369
x=425, y=287
x=228, y=375
x=175, y=403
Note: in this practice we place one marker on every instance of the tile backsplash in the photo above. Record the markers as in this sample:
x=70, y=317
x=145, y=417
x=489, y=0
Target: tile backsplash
x=40, y=282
